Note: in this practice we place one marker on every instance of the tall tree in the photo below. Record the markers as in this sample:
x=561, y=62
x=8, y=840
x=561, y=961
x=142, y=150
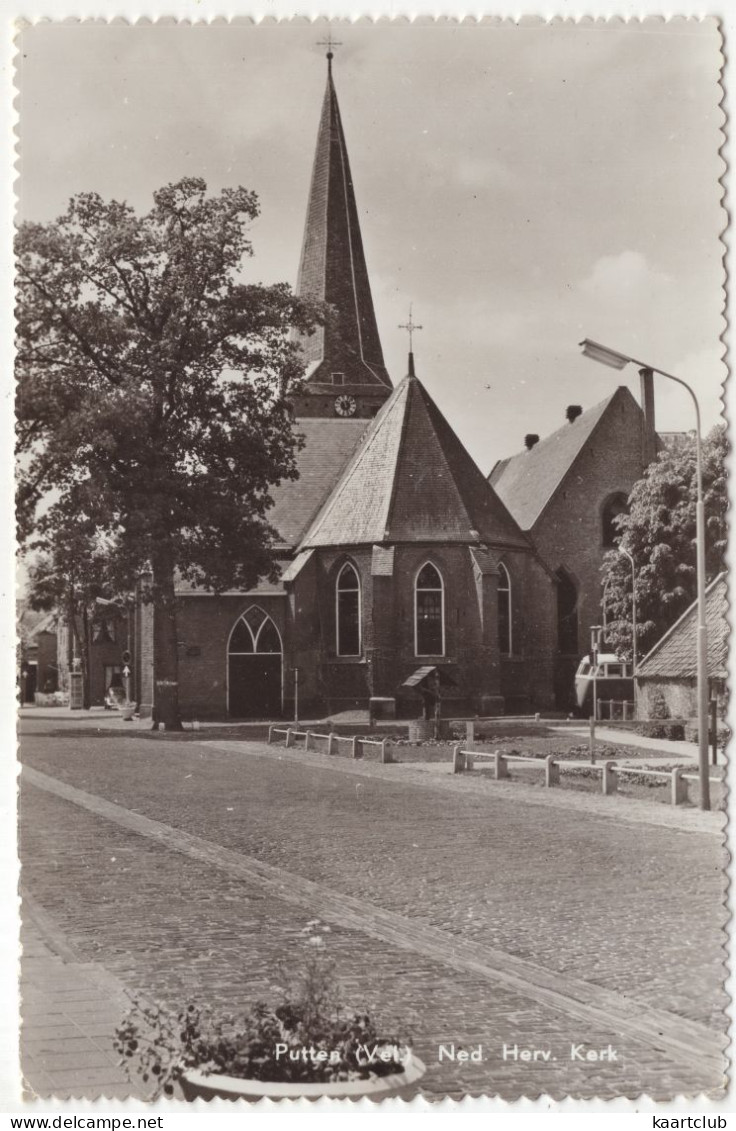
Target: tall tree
x=659, y=533
x=153, y=386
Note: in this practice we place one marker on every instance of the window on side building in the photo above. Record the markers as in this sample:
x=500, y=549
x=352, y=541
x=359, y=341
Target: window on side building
x=504, y=611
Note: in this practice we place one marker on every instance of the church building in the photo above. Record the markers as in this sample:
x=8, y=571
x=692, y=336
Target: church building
x=396, y=554
x=395, y=551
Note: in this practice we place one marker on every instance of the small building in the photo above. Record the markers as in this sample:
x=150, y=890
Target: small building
x=38, y=663
x=666, y=679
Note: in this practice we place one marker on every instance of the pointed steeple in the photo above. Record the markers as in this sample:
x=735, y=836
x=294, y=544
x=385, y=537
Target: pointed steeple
x=345, y=357
x=411, y=480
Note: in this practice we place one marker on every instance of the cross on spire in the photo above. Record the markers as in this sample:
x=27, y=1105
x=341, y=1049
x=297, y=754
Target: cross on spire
x=410, y=327
x=329, y=43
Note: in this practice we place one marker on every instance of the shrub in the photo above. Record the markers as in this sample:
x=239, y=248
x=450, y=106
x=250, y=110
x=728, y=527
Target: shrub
x=325, y=1042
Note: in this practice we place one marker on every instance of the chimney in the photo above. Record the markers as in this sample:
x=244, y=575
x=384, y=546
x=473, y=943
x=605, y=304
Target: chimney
x=530, y=440
x=573, y=411
x=648, y=432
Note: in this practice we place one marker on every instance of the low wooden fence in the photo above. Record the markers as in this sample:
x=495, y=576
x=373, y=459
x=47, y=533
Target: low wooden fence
x=619, y=709
x=552, y=766
x=329, y=743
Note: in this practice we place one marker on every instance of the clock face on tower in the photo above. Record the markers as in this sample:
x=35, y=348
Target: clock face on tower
x=345, y=405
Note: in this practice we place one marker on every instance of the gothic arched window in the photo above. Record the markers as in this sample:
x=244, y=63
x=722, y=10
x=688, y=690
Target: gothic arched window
x=614, y=506
x=429, y=612
x=504, y=611
x=347, y=614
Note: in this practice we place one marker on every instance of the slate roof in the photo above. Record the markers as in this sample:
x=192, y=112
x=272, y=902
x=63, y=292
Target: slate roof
x=333, y=267
x=674, y=656
x=411, y=480
x=526, y=482
x=329, y=444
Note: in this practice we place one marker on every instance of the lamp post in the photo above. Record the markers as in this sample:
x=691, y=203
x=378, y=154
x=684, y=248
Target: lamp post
x=616, y=360
x=621, y=550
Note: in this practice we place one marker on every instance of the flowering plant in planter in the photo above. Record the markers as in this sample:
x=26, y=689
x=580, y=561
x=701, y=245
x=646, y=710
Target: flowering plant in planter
x=307, y=1038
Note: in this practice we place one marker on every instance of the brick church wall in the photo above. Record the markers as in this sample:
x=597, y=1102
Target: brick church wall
x=569, y=533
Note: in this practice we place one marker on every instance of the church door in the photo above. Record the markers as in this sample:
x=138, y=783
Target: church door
x=254, y=667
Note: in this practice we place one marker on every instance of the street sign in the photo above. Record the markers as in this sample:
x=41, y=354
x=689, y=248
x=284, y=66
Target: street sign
x=126, y=671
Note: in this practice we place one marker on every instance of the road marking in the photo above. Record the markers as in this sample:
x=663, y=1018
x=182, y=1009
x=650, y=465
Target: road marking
x=682, y=1040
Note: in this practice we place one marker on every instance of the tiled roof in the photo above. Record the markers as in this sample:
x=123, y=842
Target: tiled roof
x=526, y=482
x=675, y=657
x=329, y=444
x=411, y=480
x=333, y=267
x=262, y=588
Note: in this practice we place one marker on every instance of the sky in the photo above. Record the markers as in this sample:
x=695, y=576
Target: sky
x=524, y=186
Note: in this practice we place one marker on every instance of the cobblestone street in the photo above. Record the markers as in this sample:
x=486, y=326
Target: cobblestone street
x=186, y=871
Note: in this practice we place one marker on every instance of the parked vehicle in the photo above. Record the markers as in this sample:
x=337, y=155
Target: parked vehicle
x=613, y=677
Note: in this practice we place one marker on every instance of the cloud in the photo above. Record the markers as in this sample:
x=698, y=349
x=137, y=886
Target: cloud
x=627, y=277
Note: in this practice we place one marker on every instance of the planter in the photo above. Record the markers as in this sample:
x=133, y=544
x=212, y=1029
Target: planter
x=128, y=710
x=197, y=1085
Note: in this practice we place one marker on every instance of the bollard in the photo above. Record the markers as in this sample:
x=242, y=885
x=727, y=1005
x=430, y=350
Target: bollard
x=551, y=771
x=356, y=741
x=610, y=777
x=536, y=717
x=458, y=760
x=679, y=786
x=287, y=742
x=330, y=743
x=385, y=757
x=502, y=770
x=307, y=739
x=270, y=734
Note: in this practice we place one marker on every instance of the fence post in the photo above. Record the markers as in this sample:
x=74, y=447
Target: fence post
x=470, y=732
x=384, y=756
x=307, y=738
x=592, y=740
x=330, y=743
x=287, y=743
x=270, y=734
x=458, y=760
x=355, y=745
x=502, y=770
x=551, y=771
x=714, y=730
x=679, y=787
x=610, y=777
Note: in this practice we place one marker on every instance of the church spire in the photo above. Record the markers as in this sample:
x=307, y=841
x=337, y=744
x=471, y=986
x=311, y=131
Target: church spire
x=347, y=352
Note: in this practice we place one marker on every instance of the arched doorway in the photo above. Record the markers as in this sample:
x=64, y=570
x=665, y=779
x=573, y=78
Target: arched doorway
x=254, y=667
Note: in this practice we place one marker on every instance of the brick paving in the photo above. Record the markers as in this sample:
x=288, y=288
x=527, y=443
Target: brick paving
x=69, y=1013
x=175, y=926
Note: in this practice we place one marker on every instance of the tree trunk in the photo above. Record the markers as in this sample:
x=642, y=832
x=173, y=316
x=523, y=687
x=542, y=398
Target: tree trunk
x=165, y=647
x=85, y=649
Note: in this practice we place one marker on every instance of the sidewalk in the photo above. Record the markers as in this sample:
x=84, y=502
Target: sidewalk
x=686, y=751
x=69, y=1011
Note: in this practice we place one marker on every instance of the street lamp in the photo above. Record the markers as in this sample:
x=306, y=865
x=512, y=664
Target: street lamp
x=616, y=360
x=621, y=550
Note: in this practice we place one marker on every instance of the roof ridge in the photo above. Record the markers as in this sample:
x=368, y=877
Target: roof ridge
x=692, y=607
